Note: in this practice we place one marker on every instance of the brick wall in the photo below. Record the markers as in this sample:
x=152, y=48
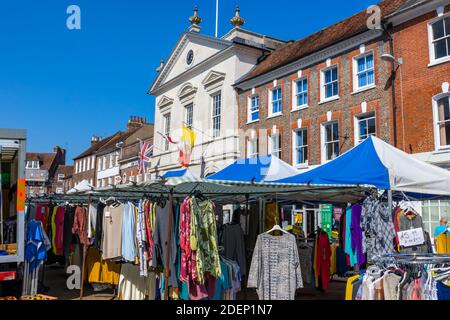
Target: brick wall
x=416, y=84
x=344, y=109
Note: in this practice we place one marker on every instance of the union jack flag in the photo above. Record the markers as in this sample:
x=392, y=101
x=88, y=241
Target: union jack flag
x=145, y=153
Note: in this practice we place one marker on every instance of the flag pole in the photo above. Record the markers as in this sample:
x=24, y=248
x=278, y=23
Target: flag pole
x=217, y=18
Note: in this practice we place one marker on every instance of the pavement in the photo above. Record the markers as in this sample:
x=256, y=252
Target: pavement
x=55, y=279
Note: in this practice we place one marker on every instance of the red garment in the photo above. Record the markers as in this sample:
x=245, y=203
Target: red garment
x=42, y=215
x=80, y=225
x=323, y=262
x=59, y=229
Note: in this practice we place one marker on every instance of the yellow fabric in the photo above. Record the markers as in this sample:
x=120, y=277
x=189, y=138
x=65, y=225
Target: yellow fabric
x=101, y=271
x=271, y=215
x=441, y=244
x=333, y=265
x=349, y=288
x=448, y=244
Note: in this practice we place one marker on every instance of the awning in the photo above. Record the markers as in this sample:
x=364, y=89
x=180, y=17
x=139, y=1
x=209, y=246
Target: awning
x=374, y=162
x=262, y=169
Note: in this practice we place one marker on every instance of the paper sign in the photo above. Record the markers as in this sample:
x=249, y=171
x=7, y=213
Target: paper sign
x=107, y=214
x=410, y=238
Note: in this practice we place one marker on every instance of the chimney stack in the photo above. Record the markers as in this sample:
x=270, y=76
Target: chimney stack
x=136, y=122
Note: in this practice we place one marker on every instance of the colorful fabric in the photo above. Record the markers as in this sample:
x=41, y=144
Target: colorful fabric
x=205, y=239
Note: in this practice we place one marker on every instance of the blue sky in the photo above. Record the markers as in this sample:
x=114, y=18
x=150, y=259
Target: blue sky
x=65, y=86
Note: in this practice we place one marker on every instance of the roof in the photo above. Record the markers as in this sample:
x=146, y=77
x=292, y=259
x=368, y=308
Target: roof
x=112, y=144
x=45, y=159
x=342, y=30
x=66, y=170
x=375, y=162
x=95, y=147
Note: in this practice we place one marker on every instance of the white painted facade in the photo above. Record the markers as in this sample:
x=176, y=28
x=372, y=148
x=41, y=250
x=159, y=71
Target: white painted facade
x=216, y=65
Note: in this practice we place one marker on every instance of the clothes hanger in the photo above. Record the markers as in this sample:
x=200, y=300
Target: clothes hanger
x=277, y=228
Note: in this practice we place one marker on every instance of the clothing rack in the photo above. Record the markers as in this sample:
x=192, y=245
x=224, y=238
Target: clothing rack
x=413, y=259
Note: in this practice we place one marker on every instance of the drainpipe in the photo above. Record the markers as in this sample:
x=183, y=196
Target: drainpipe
x=387, y=30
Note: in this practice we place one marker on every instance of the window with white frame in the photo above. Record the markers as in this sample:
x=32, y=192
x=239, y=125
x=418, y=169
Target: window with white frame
x=330, y=83
x=93, y=163
x=216, y=114
x=442, y=121
x=432, y=212
x=366, y=126
x=301, y=93
x=253, y=108
x=32, y=165
x=61, y=177
x=111, y=160
x=189, y=115
x=104, y=163
x=275, y=145
x=440, y=39
x=166, y=129
x=363, y=71
x=330, y=141
x=301, y=146
x=252, y=148
x=99, y=164
x=88, y=163
x=276, y=102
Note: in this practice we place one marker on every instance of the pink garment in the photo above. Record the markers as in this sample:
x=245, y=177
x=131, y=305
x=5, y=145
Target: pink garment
x=416, y=291
x=148, y=208
x=80, y=225
x=184, y=229
x=59, y=229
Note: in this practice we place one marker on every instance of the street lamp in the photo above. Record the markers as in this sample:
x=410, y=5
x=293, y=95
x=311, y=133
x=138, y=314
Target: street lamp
x=390, y=58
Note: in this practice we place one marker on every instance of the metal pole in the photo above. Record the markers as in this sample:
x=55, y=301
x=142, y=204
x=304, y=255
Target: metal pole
x=390, y=201
x=217, y=18
x=168, y=247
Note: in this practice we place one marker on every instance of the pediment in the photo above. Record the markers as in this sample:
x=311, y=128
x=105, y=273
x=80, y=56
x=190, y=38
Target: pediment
x=204, y=47
x=164, y=102
x=187, y=90
x=213, y=77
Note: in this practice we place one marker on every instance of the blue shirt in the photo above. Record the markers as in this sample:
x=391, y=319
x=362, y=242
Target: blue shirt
x=440, y=230
x=221, y=283
x=129, y=233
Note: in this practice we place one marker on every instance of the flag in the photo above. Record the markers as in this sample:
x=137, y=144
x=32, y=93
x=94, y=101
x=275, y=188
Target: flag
x=168, y=138
x=186, y=145
x=145, y=153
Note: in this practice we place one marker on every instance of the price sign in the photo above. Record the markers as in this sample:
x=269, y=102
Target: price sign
x=410, y=238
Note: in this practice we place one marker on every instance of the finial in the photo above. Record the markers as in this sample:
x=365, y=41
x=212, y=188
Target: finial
x=195, y=19
x=237, y=21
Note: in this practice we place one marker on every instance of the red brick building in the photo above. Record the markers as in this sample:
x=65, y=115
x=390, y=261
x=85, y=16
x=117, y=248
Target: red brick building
x=59, y=183
x=317, y=97
x=41, y=170
x=421, y=37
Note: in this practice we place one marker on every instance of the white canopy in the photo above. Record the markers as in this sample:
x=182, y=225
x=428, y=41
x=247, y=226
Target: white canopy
x=83, y=186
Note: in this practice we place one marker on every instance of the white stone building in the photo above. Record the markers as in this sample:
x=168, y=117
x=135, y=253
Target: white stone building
x=195, y=86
